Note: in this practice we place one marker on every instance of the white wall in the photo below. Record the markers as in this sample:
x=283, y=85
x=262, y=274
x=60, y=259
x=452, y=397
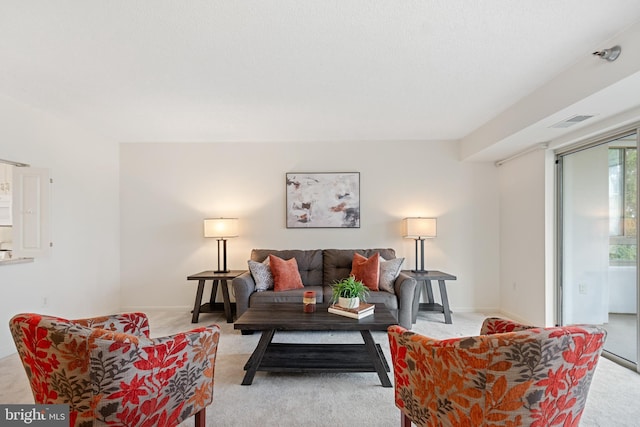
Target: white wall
x=522, y=238
x=82, y=276
x=167, y=189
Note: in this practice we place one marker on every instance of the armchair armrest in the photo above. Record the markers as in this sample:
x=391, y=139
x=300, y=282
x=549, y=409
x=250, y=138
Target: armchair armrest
x=127, y=323
x=405, y=288
x=495, y=325
x=243, y=287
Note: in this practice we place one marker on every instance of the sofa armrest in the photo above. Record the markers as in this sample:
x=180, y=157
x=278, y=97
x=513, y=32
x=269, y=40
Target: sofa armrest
x=405, y=289
x=243, y=287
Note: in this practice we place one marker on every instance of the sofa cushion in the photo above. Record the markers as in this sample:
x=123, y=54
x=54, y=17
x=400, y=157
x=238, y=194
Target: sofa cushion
x=261, y=273
x=337, y=262
x=366, y=270
x=285, y=274
x=292, y=296
x=309, y=262
x=389, y=272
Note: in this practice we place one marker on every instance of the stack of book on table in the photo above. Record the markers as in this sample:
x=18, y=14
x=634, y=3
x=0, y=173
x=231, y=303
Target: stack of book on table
x=363, y=310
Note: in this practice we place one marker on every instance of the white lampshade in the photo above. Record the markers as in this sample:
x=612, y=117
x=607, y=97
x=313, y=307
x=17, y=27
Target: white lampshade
x=221, y=227
x=419, y=228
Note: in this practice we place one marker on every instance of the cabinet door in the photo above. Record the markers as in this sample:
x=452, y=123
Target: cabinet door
x=31, y=212
x=5, y=211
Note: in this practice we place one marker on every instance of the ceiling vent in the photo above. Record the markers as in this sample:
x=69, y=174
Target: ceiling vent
x=571, y=121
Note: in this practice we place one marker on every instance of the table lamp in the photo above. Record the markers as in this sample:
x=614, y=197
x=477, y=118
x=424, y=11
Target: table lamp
x=221, y=229
x=419, y=229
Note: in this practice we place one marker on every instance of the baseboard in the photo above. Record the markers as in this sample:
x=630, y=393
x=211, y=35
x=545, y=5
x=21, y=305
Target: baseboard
x=515, y=317
x=491, y=311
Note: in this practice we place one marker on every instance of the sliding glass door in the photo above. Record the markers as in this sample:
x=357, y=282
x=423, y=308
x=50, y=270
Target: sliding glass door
x=598, y=202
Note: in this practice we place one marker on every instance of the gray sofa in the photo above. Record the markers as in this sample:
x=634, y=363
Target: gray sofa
x=319, y=268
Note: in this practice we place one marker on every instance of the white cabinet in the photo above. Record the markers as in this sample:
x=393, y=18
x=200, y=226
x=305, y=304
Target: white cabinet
x=5, y=210
x=5, y=195
x=31, y=212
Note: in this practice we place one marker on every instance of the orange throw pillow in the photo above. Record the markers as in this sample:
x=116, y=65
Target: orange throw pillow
x=285, y=274
x=367, y=270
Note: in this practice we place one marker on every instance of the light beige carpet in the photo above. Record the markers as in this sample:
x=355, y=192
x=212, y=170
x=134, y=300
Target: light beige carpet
x=277, y=399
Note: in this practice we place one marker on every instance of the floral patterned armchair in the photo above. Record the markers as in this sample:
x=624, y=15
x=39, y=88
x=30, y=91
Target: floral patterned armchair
x=510, y=375
x=110, y=372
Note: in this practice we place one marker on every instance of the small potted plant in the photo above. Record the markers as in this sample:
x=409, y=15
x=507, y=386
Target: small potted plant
x=348, y=292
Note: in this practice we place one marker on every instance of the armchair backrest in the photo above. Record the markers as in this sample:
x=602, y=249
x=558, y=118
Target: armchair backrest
x=109, y=371
x=512, y=374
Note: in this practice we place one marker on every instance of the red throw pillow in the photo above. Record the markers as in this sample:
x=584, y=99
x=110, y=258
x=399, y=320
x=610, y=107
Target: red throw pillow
x=367, y=270
x=285, y=274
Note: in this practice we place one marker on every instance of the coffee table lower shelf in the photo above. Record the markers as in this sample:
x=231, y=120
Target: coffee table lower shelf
x=284, y=357
x=363, y=356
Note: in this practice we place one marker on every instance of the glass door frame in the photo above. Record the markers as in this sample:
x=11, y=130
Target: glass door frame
x=604, y=138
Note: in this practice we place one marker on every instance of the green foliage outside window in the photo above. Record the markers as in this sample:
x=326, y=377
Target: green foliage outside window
x=623, y=253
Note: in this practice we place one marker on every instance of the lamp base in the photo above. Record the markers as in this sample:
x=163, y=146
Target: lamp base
x=222, y=253
x=420, y=271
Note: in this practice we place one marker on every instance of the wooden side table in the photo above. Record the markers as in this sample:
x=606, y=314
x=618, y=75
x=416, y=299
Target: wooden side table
x=431, y=305
x=212, y=306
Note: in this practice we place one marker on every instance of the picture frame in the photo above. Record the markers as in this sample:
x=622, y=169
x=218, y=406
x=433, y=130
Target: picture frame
x=323, y=199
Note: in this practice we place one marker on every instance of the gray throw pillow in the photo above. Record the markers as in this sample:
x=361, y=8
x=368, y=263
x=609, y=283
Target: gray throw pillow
x=389, y=272
x=261, y=272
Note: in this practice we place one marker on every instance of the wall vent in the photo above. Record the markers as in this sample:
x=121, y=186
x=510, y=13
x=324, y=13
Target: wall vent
x=571, y=121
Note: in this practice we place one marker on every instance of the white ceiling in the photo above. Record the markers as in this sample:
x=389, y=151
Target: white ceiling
x=234, y=70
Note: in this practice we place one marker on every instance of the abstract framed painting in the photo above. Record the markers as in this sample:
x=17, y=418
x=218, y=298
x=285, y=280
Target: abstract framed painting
x=323, y=200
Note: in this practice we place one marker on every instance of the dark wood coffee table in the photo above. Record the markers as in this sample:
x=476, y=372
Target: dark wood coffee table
x=292, y=357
